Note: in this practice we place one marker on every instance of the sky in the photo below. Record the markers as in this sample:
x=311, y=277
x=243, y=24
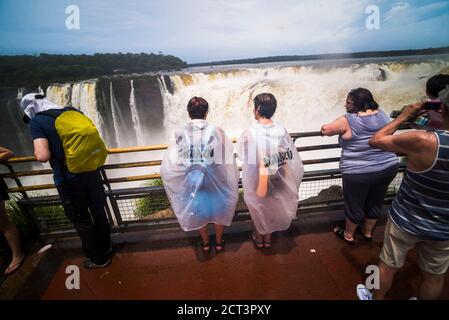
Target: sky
x=212, y=30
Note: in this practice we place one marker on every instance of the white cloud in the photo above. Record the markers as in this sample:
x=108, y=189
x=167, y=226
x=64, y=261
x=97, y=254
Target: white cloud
x=404, y=13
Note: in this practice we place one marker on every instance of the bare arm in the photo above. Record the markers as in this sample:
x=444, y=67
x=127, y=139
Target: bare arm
x=420, y=147
x=339, y=126
x=262, y=186
x=5, y=154
x=41, y=150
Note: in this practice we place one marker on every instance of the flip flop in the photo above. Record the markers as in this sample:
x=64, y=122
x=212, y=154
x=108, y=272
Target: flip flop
x=10, y=270
x=339, y=232
x=257, y=243
x=205, y=247
x=267, y=244
x=360, y=231
x=219, y=246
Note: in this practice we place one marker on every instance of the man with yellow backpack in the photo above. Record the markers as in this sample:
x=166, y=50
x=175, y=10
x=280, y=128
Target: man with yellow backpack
x=68, y=139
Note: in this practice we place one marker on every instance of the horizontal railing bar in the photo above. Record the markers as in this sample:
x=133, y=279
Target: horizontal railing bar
x=31, y=188
x=318, y=161
x=135, y=178
x=296, y=135
x=21, y=159
x=138, y=149
x=318, y=147
x=132, y=164
x=324, y=174
x=27, y=173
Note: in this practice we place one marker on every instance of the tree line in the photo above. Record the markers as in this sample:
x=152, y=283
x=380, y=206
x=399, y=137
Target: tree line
x=365, y=54
x=44, y=69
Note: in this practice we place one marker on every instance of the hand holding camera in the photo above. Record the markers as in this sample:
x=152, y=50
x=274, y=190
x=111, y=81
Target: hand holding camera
x=424, y=114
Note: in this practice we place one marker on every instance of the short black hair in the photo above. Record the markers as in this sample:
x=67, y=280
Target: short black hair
x=197, y=108
x=266, y=104
x=435, y=84
x=362, y=99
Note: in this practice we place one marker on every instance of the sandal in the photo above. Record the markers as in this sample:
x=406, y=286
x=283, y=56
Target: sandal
x=267, y=244
x=10, y=270
x=257, y=243
x=219, y=246
x=366, y=238
x=340, y=232
x=205, y=247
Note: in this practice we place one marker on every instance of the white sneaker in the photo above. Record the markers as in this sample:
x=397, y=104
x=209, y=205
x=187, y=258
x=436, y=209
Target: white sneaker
x=413, y=298
x=363, y=293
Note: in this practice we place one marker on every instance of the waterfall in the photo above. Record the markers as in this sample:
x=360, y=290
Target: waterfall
x=135, y=116
x=84, y=98
x=145, y=109
x=116, y=118
x=307, y=95
x=60, y=94
x=20, y=92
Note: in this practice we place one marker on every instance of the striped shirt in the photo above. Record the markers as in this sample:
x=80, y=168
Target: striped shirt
x=421, y=207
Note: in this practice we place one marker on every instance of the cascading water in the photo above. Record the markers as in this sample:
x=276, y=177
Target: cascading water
x=145, y=109
x=115, y=115
x=60, y=94
x=135, y=116
x=307, y=96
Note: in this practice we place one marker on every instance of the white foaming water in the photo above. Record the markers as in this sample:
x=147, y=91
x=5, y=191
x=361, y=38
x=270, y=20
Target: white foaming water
x=60, y=94
x=84, y=99
x=135, y=116
x=307, y=96
x=115, y=115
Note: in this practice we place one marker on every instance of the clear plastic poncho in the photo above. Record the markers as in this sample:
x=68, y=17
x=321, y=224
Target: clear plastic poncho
x=200, y=176
x=272, y=171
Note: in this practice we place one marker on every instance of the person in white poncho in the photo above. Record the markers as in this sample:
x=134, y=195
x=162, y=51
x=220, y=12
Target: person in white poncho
x=271, y=172
x=200, y=176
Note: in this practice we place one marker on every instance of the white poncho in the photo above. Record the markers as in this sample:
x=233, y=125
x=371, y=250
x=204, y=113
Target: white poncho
x=272, y=172
x=200, y=176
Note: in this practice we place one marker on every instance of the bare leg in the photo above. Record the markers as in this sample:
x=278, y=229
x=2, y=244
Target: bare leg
x=219, y=229
x=349, y=230
x=368, y=227
x=257, y=238
x=205, y=238
x=267, y=240
x=12, y=236
x=431, y=286
x=386, y=275
x=219, y=244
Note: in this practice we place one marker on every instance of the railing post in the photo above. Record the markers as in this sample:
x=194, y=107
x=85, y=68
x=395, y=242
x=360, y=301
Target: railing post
x=30, y=217
x=113, y=202
x=17, y=181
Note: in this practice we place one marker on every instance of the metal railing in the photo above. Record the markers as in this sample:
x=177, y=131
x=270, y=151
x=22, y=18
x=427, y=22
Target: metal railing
x=142, y=207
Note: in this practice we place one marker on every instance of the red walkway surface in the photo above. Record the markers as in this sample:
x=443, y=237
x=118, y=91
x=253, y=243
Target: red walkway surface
x=302, y=264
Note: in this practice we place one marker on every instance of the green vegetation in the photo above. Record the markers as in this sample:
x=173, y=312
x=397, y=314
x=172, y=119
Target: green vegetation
x=16, y=216
x=367, y=54
x=26, y=70
x=152, y=203
x=48, y=216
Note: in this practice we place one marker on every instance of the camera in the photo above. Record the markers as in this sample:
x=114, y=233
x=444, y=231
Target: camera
x=430, y=119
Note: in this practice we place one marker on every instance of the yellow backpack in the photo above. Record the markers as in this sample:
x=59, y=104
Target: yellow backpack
x=83, y=147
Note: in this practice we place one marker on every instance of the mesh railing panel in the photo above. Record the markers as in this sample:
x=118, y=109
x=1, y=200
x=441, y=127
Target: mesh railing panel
x=51, y=217
x=147, y=207
x=155, y=206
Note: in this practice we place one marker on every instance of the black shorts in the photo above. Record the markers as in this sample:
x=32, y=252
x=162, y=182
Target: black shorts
x=364, y=193
x=3, y=187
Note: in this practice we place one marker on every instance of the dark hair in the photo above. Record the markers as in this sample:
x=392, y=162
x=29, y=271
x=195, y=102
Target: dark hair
x=197, y=108
x=444, y=96
x=435, y=84
x=266, y=103
x=362, y=100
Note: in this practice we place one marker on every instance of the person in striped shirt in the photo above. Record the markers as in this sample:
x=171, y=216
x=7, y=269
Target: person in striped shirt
x=419, y=215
